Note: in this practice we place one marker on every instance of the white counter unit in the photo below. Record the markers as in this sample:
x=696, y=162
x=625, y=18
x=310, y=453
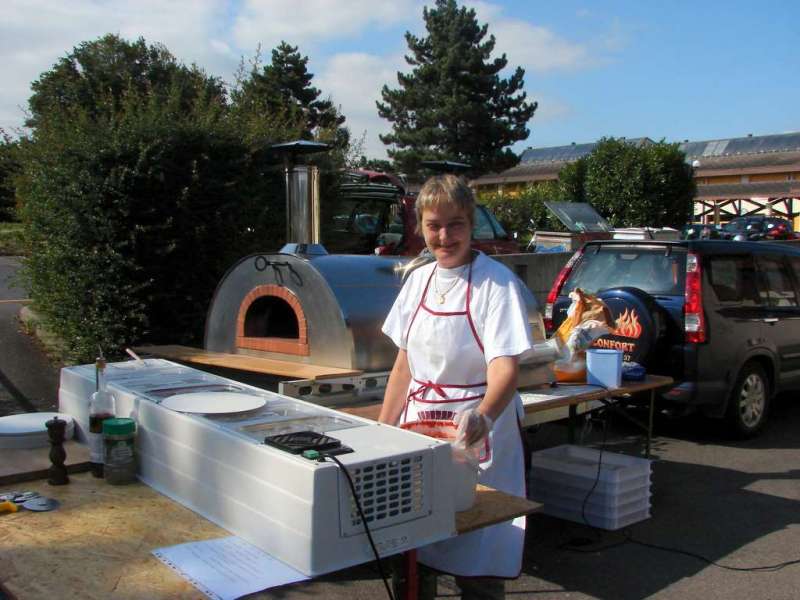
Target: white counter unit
x=300, y=511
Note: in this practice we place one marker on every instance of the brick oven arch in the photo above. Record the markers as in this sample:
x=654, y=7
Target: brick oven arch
x=271, y=319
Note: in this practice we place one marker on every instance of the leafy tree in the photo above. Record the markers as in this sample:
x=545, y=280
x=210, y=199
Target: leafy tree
x=9, y=168
x=133, y=214
x=524, y=213
x=375, y=164
x=284, y=87
x=454, y=105
x=638, y=185
x=98, y=74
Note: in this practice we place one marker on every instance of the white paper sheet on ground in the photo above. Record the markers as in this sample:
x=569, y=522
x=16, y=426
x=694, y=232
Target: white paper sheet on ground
x=213, y=402
x=227, y=568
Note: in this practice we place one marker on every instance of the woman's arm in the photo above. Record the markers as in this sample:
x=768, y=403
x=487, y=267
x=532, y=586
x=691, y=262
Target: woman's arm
x=501, y=383
x=396, y=390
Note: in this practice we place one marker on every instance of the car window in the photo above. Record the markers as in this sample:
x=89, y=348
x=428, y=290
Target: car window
x=483, y=227
x=735, y=225
x=778, y=288
x=733, y=279
x=794, y=264
x=652, y=270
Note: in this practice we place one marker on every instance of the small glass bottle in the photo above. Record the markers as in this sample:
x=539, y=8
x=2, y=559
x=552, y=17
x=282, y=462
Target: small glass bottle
x=101, y=407
x=118, y=442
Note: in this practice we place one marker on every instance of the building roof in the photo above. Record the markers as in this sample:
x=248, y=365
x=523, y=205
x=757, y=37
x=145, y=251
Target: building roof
x=767, y=189
x=569, y=153
x=524, y=172
x=759, y=144
x=747, y=163
x=742, y=155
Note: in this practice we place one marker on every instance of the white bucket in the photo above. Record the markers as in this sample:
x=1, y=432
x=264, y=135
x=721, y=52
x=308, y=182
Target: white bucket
x=604, y=367
x=465, y=464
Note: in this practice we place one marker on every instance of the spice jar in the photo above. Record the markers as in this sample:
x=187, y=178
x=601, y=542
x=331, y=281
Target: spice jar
x=118, y=444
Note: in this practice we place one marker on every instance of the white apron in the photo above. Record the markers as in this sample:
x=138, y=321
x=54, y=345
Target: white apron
x=448, y=372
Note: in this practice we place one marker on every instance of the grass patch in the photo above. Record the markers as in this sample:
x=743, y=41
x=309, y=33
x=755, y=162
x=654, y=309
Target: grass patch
x=11, y=239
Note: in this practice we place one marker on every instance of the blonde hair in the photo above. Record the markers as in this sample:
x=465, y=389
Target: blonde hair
x=443, y=190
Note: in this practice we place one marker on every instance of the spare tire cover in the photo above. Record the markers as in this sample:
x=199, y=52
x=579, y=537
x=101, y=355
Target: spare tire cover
x=636, y=328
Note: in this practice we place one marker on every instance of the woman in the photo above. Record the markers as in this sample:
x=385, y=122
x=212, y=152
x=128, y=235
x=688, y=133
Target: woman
x=460, y=324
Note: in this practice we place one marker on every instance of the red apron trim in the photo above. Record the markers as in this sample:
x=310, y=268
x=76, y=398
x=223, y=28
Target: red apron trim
x=443, y=314
x=469, y=314
x=424, y=293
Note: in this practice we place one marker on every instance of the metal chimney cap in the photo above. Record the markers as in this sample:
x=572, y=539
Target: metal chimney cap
x=445, y=166
x=304, y=249
x=300, y=147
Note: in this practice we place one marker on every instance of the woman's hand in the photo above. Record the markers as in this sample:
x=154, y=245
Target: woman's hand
x=473, y=427
x=396, y=390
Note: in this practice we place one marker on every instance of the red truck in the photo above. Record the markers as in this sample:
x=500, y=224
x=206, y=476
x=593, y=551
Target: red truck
x=374, y=214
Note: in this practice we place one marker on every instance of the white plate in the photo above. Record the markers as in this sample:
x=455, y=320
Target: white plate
x=28, y=430
x=208, y=403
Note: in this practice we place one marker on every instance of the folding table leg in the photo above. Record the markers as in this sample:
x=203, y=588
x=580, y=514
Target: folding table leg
x=409, y=581
x=573, y=417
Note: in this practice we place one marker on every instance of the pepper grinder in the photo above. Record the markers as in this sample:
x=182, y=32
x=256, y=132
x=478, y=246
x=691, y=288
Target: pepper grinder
x=56, y=429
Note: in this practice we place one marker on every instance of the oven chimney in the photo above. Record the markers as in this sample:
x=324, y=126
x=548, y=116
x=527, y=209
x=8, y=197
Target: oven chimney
x=302, y=192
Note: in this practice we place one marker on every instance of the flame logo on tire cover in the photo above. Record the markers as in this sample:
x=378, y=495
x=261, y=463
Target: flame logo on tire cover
x=627, y=325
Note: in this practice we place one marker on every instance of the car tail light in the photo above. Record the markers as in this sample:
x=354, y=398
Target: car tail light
x=557, y=285
x=694, y=321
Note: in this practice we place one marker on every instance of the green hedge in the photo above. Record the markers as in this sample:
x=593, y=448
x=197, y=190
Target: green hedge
x=131, y=220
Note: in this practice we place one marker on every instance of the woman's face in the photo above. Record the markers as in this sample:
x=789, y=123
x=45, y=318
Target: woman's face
x=448, y=234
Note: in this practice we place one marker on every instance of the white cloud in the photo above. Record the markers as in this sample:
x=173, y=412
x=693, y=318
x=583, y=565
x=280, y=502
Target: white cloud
x=309, y=21
x=550, y=109
x=533, y=47
x=34, y=34
x=354, y=81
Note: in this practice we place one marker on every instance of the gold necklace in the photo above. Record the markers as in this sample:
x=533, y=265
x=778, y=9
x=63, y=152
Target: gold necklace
x=441, y=295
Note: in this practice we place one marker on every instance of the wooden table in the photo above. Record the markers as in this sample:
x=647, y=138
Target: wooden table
x=98, y=543
x=548, y=397
x=545, y=398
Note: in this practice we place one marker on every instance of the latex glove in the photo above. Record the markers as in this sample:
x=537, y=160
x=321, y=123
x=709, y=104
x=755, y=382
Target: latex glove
x=473, y=427
x=584, y=334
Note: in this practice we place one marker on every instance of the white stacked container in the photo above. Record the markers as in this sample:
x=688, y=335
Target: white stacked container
x=566, y=480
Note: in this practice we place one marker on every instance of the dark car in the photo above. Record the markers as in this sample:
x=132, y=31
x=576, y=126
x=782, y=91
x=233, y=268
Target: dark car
x=721, y=318
x=757, y=228
x=374, y=214
x=701, y=231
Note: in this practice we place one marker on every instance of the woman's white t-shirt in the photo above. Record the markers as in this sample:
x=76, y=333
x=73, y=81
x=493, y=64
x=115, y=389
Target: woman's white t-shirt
x=497, y=304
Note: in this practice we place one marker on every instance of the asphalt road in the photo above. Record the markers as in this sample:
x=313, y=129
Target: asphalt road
x=28, y=380
x=735, y=503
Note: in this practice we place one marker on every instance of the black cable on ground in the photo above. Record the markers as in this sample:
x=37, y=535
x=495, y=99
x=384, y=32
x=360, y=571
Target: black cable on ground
x=364, y=521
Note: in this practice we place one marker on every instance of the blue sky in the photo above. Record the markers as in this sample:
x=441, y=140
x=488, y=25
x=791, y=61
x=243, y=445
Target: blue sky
x=673, y=69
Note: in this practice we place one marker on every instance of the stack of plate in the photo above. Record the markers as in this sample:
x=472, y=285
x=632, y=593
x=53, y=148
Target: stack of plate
x=29, y=431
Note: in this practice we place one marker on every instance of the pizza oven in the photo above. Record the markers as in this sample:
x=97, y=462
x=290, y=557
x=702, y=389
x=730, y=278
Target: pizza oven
x=305, y=305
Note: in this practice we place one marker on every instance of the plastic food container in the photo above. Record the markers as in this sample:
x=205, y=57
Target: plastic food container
x=604, y=367
x=119, y=458
x=465, y=462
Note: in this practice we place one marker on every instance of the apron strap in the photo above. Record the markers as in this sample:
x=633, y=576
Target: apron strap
x=469, y=312
x=419, y=305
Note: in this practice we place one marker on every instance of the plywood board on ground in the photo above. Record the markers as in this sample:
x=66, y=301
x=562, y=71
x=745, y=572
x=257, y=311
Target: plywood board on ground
x=242, y=362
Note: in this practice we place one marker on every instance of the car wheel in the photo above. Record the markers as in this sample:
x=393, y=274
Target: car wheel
x=749, y=402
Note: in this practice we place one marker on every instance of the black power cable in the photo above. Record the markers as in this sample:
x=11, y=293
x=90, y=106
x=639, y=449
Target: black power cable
x=364, y=521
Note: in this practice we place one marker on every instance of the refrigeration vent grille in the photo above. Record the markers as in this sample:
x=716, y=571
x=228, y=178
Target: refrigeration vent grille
x=390, y=491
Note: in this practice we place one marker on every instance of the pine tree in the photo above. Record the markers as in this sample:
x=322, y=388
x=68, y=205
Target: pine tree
x=284, y=85
x=454, y=105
